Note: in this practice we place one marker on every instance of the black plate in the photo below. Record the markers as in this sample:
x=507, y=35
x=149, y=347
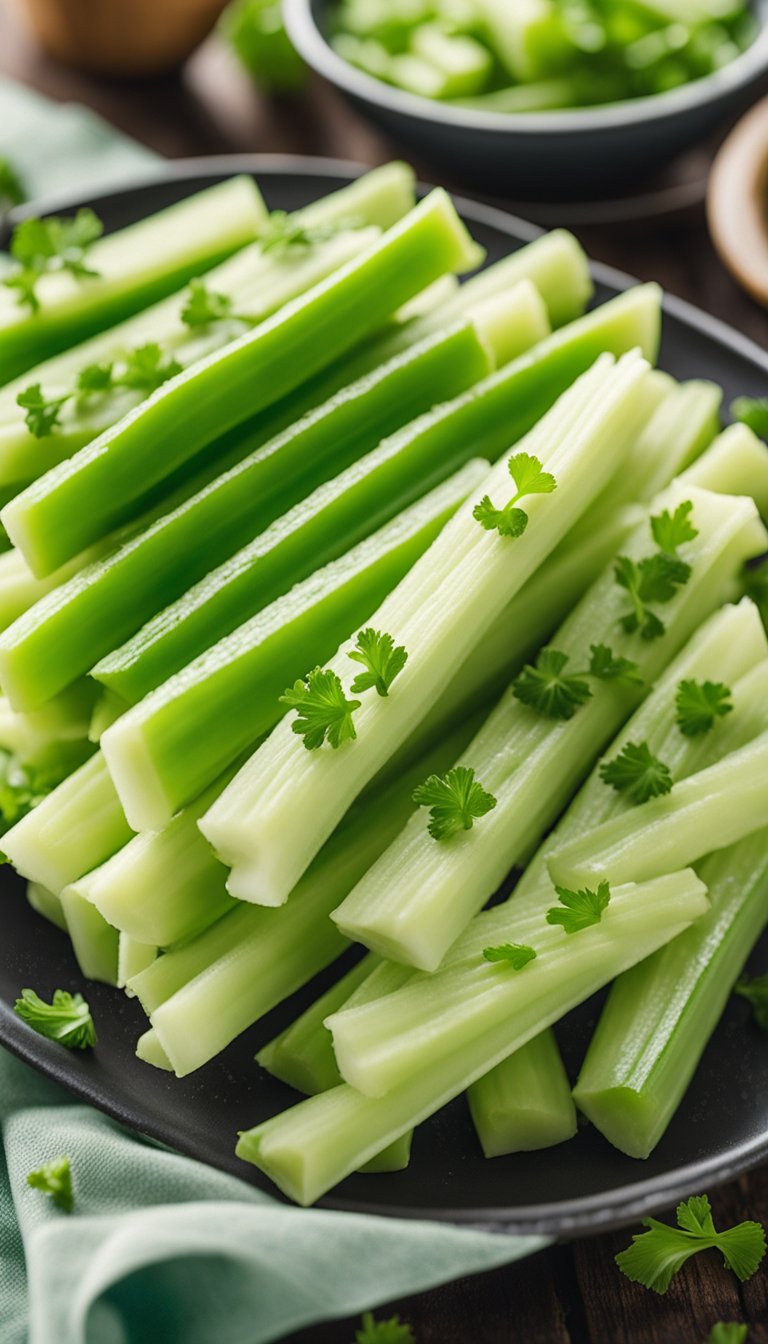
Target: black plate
x=720, y=1130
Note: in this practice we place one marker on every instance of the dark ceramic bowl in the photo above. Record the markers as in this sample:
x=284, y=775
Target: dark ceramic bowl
x=543, y=155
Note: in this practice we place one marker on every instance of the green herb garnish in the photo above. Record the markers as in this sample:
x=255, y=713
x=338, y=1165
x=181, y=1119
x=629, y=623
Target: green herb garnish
x=324, y=712
x=699, y=704
x=382, y=659
x=516, y=955
x=529, y=478
x=656, y=579
x=42, y=246
x=547, y=687
x=393, y=1331
x=579, y=909
x=637, y=773
x=657, y=1255
x=143, y=370
x=456, y=801
x=66, y=1020
x=54, y=1179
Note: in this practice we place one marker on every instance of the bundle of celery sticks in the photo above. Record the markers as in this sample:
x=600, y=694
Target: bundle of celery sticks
x=335, y=591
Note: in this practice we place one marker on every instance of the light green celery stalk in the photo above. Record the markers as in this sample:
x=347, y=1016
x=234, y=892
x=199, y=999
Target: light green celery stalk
x=739, y=452
x=133, y=957
x=150, y=1051
x=525, y=1103
x=75, y=828
x=19, y=589
x=203, y=994
x=451, y=597
x=258, y=282
x=660, y=1015
x=710, y=810
x=109, y=481
x=415, y=901
x=94, y=941
x=108, y=708
x=530, y=38
x=49, y=906
x=164, y=750
x=134, y=267
x=157, y=562
x=313, y=1146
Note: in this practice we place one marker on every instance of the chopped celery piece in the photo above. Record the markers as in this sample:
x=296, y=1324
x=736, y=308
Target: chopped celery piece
x=525, y=1103
x=414, y=902
x=94, y=941
x=710, y=810
x=660, y=1015
x=75, y=828
x=464, y=63
x=313, y=1146
x=49, y=906
x=134, y=267
x=107, y=482
x=447, y=603
x=203, y=994
x=173, y=743
x=105, y=602
x=530, y=37
x=133, y=957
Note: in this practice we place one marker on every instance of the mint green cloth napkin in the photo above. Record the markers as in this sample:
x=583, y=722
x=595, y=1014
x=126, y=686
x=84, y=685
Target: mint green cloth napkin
x=161, y=1249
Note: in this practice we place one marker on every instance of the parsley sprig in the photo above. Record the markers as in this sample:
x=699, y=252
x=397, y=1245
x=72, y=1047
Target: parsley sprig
x=66, y=1020
x=755, y=991
x=22, y=788
x=381, y=658
x=55, y=1179
x=699, y=704
x=43, y=246
x=752, y=411
x=727, y=1332
x=655, y=579
x=547, y=687
x=637, y=773
x=324, y=714
x=285, y=231
x=657, y=1255
x=456, y=800
x=529, y=478
x=144, y=370
x=393, y=1331
x=515, y=955
x=579, y=909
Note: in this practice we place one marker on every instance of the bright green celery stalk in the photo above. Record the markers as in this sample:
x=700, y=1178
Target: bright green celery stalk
x=525, y=1103
x=203, y=994
x=258, y=283
x=163, y=751
x=660, y=1015
x=133, y=957
x=135, y=266
x=419, y=896
x=447, y=603
x=311, y=1147
x=75, y=828
x=108, y=482
x=94, y=941
x=46, y=904
x=109, y=599
x=710, y=810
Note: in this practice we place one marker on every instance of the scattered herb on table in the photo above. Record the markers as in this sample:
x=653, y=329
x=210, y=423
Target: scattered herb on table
x=54, y=1179
x=657, y=1255
x=67, y=1019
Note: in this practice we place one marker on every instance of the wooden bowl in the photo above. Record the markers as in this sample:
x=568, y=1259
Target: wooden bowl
x=737, y=202
x=126, y=38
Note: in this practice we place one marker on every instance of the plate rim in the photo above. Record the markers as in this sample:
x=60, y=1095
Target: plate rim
x=589, y=1215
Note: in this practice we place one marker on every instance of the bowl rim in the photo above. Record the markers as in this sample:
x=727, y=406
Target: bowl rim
x=312, y=44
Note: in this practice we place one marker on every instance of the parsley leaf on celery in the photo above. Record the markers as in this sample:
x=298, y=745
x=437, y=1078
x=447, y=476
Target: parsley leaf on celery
x=324, y=713
x=657, y=1255
x=54, y=1179
x=41, y=413
x=94, y=378
x=670, y=531
x=699, y=704
x=382, y=659
x=41, y=246
x=393, y=1331
x=549, y=689
x=21, y=788
x=638, y=773
x=656, y=578
x=204, y=306
x=456, y=800
x=287, y=231
x=755, y=991
x=752, y=411
x=516, y=955
x=145, y=368
x=66, y=1020
x=529, y=478
x=579, y=909
x=727, y=1332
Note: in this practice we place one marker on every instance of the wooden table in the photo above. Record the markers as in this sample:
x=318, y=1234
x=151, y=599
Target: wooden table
x=571, y=1294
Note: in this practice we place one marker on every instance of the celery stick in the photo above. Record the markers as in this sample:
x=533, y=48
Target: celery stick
x=445, y=605
x=525, y=1103
x=135, y=267
x=66, y=717
x=660, y=1015
x=49, y=906
x=20, y=590
x=314, y=1145
x=203, y=994
x=740, y=453
x=107, y=482
x=75, y=828
x=106, y=601
x=710, y=810
x=419, y=896
x=149, y=1049
x=530, y=38
x=133, y=957
x=173, y=743
x=108, y=708
x=94, y=941
x=555, y=263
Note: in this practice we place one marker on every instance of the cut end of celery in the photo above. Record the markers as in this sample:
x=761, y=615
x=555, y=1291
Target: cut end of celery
x=149, y=1049
x=391, y=943
x=622, y=1117
x=394, y=1158
x=143, y=799
x=285, y=1167
x=532, y=1130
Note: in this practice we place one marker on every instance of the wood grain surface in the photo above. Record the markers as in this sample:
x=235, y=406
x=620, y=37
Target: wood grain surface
x=571, y=1294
